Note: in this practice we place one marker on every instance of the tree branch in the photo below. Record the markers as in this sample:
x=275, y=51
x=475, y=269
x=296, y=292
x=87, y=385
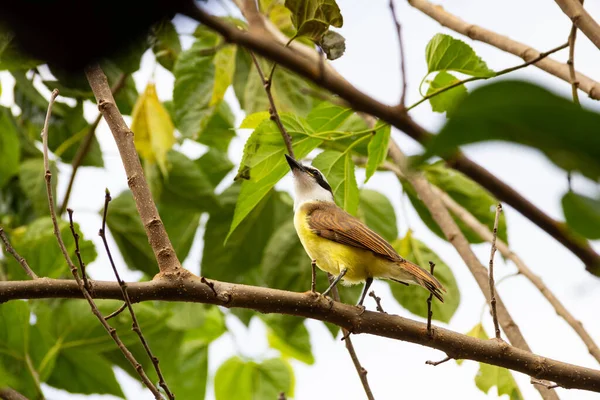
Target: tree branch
x=402, y=58
x=363, y=103
x=153, y=225
x=558, y=69
x=455, y=236
x=571, y=62
x=9, y=249
x=582, y=19
x=491, y=272
x=268, y=300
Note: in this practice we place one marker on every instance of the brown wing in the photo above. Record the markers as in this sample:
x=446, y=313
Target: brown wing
x=331, y=222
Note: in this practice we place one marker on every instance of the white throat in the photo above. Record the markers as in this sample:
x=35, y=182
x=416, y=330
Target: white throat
x=309, y=191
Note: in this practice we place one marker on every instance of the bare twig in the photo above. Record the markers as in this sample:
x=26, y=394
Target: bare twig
x=267, y=300
x=581, y=18
x=558, y=69
x=112, y=331
x=272, y=109
x=544, y=383
x=377, y=301
x=362, y=373
x=78, y=251
x=135, y=325
x=307, y=66
x=116, y=312
x=491, y=272
x=9, y=249
x=436, y=363
x=11, y=394
x=499, y=73
x=401, y=46
x=429, y=312
x=155, y=230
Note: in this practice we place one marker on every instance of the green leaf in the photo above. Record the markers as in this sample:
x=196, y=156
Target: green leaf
x=312, y=18
x=444, y=53
x=196, y=92
x=469, y=194
x=414, y=297
x=181, y=225
x=185, y=185
x=449, y=100
x=263, y=163
x=377, y=212
x=582, y=214
x=10, y=148
x=215, y=164
x=328, y=117
x=82, y=371
x=333, y=44
x=338, y=169
x=252, y=121
x=224, y=68
x=378, y=149
x=37, y=244
x=202, y=323
x=238, y=379
x=218, y=131
x=491, y=375
x=165, y=43
x=289, y=335
x=236, y=260
x=524, y=113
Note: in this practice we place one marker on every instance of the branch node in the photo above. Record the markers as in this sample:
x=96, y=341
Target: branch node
x=377, y=301
x=436, y=363
x=209, y=284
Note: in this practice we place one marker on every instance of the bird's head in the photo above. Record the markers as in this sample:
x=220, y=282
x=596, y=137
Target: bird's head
x=309, y=183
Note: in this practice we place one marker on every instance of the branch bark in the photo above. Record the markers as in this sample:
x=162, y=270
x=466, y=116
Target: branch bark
x=558, y=69
x=352, y=318
x=11, y=394
x=361, y=102
x=582, y=19
x=155, y=230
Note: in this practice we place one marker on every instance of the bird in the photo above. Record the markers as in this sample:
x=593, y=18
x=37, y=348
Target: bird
x=341, y=244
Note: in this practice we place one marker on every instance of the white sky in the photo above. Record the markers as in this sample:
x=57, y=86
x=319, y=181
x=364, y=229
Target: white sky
x=397, y=369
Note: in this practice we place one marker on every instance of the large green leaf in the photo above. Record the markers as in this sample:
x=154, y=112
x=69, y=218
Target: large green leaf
x=248, y=380
x=378, y=149
x=444, y=53
x=10, y=148
x=37, y=244
x=215, y=164
x=165, y=43
x=414, y=297
x=263, y=163
x=328, y=117
x=239, y=258
x=491, y=375
x=449, y=100
x=312, y=18
x=469, y=194
x=378, y=213
x=338, y=169
x=524, y=113
x=289, y=335
x=582, y=214
x=218, y=131
x=196, y=93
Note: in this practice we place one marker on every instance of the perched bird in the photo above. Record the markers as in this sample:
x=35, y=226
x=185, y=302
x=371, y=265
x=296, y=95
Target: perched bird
x=341, y=244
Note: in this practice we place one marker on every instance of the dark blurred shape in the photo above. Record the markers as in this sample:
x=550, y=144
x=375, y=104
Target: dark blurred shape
x=73, y=33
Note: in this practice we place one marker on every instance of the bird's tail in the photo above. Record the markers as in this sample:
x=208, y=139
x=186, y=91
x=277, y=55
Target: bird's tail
x=412, y=273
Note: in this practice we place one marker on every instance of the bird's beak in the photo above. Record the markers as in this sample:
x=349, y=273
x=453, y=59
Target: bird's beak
x=294, y=165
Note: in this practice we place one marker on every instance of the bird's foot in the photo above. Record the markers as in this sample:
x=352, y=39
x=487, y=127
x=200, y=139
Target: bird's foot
x=361, y=308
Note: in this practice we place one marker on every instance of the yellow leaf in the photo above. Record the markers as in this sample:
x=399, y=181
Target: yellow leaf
x=153, y=128
x=224, y=67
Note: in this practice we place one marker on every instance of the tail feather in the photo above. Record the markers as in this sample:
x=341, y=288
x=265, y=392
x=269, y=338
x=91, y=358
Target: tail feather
x=420, y=276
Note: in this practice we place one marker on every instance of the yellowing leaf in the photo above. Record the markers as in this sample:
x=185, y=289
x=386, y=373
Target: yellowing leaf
x=153, y=129
x=224, y=68
x=252, y=121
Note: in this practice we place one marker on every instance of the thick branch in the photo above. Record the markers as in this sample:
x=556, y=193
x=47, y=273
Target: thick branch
x=363, y=103
x=560, y=70
x=352, y=318
x=155, y=230
x=582, y=19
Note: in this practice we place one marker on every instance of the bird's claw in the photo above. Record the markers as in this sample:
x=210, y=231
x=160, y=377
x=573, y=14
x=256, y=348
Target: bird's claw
x=361, y=308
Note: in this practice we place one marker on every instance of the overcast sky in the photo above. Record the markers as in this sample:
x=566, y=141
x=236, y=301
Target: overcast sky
x=396, y=369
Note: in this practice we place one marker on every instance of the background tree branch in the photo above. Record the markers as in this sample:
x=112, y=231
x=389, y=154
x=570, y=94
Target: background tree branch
x=582, y=19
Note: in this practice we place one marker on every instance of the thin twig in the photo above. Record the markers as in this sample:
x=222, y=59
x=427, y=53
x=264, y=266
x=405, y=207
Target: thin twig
x=17, y=256
x=499, y=73
x=377, y=301
x=116, y=312
x=135, y=325
x=86, y=145
x=436, y=363
x=112, y=331
x=541, y=382
x=571, y=64
x=491, y=272
x=11, y=394
x=429, y=312
x=401, y=46
x=362, y=373
x=78, y=251
x=272, y=109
